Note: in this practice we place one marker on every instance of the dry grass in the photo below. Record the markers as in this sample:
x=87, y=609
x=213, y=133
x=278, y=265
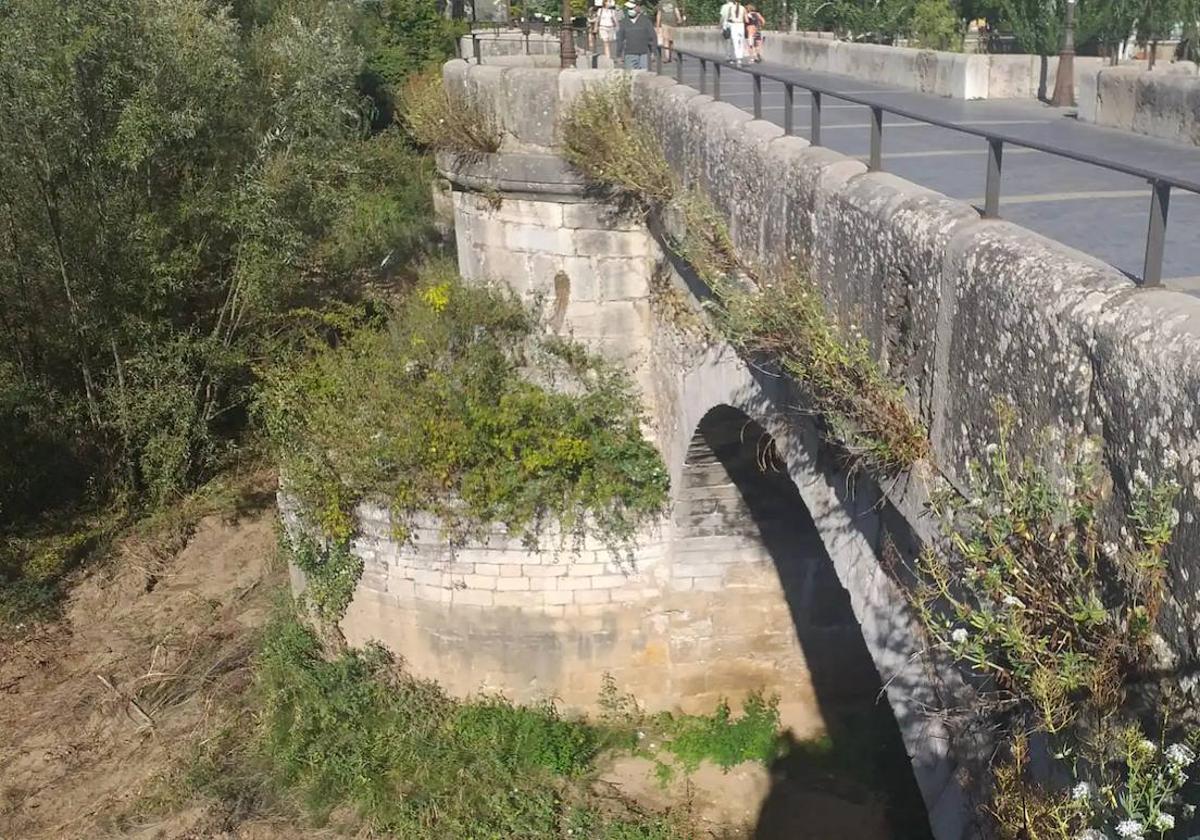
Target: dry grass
x=446, y=122
x=602, y=140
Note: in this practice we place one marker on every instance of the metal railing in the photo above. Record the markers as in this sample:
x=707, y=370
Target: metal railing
x=1160, y=184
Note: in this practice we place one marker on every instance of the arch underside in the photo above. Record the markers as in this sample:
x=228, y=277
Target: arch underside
x=824, y=531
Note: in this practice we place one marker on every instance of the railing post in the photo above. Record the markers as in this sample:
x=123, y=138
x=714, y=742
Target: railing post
x=876, y=160
x=717, y=81
x=814, y=116
x=757, y=96
x=703, y=75
x=789, y=94
x=475, y=49
x=1156, y=236
x=678, y=68
x=991, y=200
x=658, y=64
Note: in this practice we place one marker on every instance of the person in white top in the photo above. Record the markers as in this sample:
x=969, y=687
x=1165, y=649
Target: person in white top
x=606, y=26
x=733, y=21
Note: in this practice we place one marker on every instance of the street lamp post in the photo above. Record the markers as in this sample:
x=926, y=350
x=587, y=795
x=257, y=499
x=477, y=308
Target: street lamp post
x=1064, y=81
x=566, y=38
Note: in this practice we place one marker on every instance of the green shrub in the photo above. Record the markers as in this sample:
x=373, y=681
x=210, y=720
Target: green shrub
x=440, y=412
x=722, y=738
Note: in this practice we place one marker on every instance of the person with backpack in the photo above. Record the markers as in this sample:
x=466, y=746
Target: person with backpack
x=670, y=15
x=733, y=29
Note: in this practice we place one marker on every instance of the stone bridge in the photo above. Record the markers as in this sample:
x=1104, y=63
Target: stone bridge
x=776, y=570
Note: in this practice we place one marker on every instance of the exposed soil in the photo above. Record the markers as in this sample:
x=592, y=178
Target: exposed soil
x=749, y=801
x=100, y=710
x=153, y=649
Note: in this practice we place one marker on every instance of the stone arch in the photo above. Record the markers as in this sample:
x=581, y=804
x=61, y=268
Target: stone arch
x=853, y=519
x=785, y=624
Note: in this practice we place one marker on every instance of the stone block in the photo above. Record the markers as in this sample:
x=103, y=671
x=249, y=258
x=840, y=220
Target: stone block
x=530, y=104
x=521, y=600
x=475, y=581
x=558, y=597
x=592, y=596
x=428, y=592
x=566, y=584
x=528, y=212
x=622, y=279
x=537, y=240
x=472, y=598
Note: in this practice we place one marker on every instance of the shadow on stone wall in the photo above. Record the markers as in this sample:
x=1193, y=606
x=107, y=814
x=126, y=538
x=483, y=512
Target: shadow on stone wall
x=856, y=781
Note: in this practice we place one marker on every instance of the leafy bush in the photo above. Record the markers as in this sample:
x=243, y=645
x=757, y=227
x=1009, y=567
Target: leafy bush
x=331, y=573
x=414, y=763
x=935, y=25
x=461, y=409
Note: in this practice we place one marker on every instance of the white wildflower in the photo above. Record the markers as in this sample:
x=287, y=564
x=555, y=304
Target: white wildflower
x=1091, y=834
x=1181, y=755
x=1013, y=601
x=1131, y=830
x=1081, y=792
x=1164, y=822
x=1147, y=746
x=959, y=636
x=1189, y=810
x=1110, y=549
x=1140, y=477
x=991, y=448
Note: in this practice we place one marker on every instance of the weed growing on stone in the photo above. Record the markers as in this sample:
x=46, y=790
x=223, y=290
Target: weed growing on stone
x=460, y=408
x=331, y=573
x=446, y=122
x=780, y=318
x=1057, y=618
x=603, y=140
x=786, y=321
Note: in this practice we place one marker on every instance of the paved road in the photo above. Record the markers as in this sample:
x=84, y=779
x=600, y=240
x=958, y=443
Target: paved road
x=1098, y=211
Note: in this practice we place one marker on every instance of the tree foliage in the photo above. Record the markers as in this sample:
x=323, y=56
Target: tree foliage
x=177, y=179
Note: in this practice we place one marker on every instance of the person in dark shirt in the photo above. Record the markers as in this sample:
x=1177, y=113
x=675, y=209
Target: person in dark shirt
x=636, y=38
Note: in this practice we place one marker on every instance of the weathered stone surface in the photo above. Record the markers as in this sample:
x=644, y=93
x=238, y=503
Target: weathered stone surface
x=1025, y=312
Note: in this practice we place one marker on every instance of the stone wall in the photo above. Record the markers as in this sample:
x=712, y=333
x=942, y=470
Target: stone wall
x=1164, y=103
x=966, y=311
x=957, y=75
x=731, y=594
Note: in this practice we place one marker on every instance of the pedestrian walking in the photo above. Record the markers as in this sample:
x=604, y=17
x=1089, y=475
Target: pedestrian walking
x=606, y=26
x=755, y=24
x=733, y=28
x=636, y=38
x=669, y=16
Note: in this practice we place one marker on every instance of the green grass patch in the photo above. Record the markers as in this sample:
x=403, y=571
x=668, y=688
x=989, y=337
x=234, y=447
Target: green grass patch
x=724, y=738
x=359, y=732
